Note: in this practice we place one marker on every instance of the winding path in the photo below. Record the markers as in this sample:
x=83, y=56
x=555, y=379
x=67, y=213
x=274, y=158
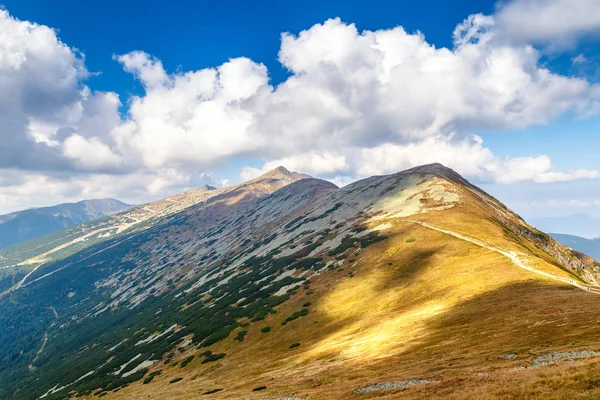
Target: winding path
x=514, y=257
x=21, y=282
x=31, y=367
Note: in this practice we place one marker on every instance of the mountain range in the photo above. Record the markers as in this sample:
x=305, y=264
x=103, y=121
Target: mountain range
x=580, y=224
x=28, y=224
x=591, y=247
x=412, y=285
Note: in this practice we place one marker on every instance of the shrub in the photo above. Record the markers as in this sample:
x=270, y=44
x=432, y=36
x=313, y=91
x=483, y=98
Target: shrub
x=151, y=376
x=359, y=228
x=410, y=240
x=347, y=242
x=294, y=345
x=186, y=361
x=212, y=391
x=265, y=329
x=175, y=380
x=256, y=389
x=213, y=357
x=240, y=336
x=296, y=315
x=307, y=304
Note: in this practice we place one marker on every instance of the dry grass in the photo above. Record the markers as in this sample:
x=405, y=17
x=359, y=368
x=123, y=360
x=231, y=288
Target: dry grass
x=433, y=307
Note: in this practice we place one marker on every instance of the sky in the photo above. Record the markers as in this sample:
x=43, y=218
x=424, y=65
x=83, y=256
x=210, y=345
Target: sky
x=138, y=100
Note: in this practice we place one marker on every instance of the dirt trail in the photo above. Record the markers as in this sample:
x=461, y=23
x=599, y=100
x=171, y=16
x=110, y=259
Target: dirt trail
x=20, y=283
x=31, y=367
x=514, y=256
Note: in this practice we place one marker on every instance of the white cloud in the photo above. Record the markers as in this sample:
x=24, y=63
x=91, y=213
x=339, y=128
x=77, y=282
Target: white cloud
x=355, y=104
x=353, y=93
x=580, y=59
x=248, y=173
x=43, y=99
x=148, y=70
x=190, y=119
x=555, y=22
x=538, y=170
x=317, y=163
x=90, y=153
x=20, y=190
x=468, y=156
x=554, y=203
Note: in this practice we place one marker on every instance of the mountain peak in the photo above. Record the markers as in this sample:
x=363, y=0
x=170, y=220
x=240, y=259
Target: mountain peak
x=281, y=173
x=435, y=168
x=282, y=170
x=206, y=187
x=424, y=254
x=276, y=172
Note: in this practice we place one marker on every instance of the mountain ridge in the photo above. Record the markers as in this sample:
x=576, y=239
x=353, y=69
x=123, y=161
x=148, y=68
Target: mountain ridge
x=578, y=224
x=28, y=224
x=283, y=286
x=591, y=247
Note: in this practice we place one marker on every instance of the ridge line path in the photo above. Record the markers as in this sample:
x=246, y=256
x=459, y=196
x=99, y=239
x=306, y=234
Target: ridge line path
x=513, y=256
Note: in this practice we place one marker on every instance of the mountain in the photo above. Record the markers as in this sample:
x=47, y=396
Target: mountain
x=412, y=285
x=577, y=224
x=29, y=224
x=591, y=247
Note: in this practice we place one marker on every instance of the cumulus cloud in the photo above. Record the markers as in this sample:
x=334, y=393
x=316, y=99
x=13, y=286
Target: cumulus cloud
x=90, y=153
x=558, y=23
x=196, y=118
x=42, y=97
x=356, y=103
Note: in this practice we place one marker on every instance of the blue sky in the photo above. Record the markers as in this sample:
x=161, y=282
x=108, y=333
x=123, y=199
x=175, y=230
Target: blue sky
x=199, y=34
x=125, y=103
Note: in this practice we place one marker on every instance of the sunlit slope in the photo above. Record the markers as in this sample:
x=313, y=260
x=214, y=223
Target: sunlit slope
x=446, y=313
x=287, y=287
x=439, y=299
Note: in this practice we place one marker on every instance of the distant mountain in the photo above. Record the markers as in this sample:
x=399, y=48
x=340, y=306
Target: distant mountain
x=591, y=247
x=416, y=285
x=28, y=224
x=577, y=224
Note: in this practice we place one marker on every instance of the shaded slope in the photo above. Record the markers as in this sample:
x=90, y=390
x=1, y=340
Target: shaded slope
x=29, y=224
x=308, y=291
x=18, y=260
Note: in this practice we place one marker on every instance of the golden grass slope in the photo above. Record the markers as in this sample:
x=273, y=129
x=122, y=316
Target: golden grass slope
x=420, y=305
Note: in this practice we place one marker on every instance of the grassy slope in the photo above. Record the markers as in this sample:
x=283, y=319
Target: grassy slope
x=433, y=307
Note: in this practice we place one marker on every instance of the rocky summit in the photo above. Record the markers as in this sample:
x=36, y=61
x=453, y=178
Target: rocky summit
x=412, y=285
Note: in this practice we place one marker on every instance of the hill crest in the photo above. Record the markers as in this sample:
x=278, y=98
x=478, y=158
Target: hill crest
x=285, y=283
